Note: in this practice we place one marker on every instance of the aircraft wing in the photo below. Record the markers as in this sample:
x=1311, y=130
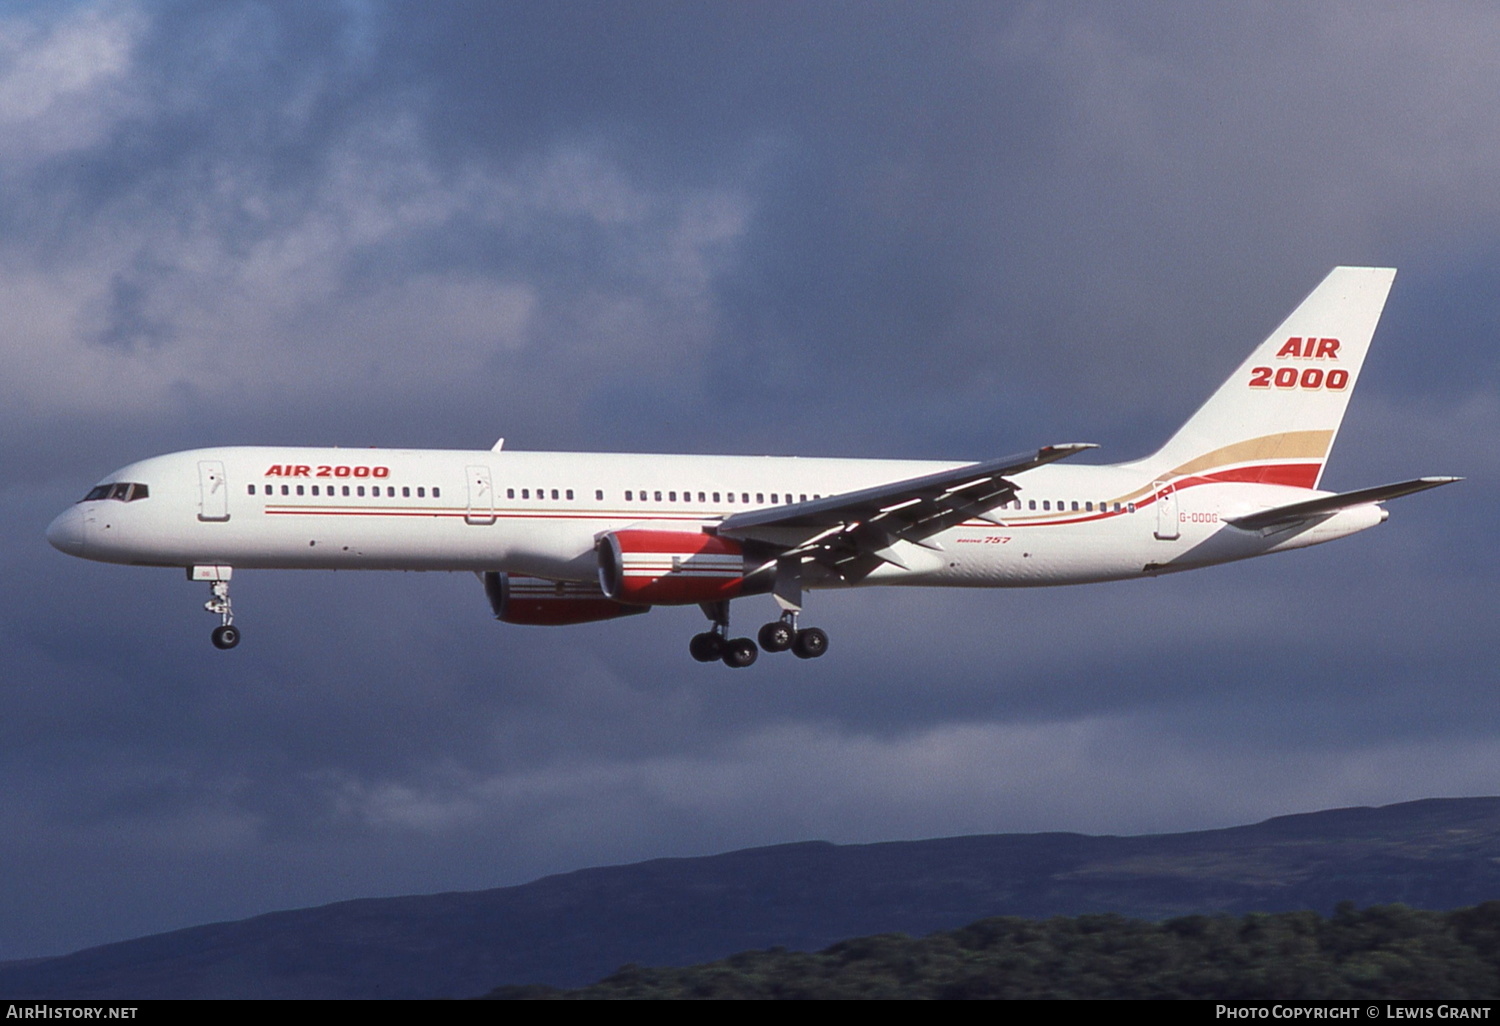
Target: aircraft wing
x=1298, y=511
x=840, y=529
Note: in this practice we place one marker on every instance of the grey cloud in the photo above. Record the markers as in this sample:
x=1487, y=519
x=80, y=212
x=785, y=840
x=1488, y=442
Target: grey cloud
x=895, y=230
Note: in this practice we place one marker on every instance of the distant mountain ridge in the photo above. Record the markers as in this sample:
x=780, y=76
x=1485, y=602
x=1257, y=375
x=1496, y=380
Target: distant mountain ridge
x=574, y=928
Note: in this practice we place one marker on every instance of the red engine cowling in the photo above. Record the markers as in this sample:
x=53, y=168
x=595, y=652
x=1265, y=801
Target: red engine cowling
x=540, y=602
x=670, y=567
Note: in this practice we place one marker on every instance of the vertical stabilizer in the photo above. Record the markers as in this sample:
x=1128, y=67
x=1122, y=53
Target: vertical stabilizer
x=1275, y=419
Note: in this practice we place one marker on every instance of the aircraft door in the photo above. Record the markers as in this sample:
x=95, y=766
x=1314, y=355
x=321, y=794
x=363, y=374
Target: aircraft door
x=1167, y=528
x=213, y=491
x=481, y=497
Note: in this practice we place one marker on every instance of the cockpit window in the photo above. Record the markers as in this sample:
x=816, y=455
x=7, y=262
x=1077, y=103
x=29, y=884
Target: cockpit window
x=121, y=491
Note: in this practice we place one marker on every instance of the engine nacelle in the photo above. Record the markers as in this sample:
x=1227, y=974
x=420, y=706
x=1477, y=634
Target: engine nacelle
x=673, y=567
x=540, y=602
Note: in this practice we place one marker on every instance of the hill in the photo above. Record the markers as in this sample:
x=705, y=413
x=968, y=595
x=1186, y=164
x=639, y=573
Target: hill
x=574, y=928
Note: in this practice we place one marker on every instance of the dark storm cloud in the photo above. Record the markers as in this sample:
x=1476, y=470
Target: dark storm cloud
x=822, y=228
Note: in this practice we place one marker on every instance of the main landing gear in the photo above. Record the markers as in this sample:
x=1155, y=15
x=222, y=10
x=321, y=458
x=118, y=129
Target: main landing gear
x=226, y=635
x=777, y=636
x=715, y=643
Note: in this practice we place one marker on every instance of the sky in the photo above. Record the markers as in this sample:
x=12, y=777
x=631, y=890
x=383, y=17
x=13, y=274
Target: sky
x=921, y=230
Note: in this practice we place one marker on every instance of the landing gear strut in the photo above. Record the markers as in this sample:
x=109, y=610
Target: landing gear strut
x=226, y=635
x=715, y=643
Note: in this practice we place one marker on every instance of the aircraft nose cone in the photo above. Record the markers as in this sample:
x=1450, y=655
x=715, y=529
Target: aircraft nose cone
x=66, y=533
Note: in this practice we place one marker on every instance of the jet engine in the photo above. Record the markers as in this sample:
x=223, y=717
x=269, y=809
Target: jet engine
x=540, y=602
x=674, y=567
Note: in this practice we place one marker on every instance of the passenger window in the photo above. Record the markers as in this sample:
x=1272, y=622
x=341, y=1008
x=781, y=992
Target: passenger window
x=1032, y=504
x=1130, y=507
x=252, y=490
x=421, y=492
x=744, y=496
x=360, y=491
x=658, y=496
x=299, y=490
x=437, y=493
x=671, y=496
x=1075, y=505
x=569, y=494
x=285, y=490
x=627, y=495
x=701, y=498
x=716, y=496
x=510, y=493
x=760, y=497
x=554, y=493
x=599, y=495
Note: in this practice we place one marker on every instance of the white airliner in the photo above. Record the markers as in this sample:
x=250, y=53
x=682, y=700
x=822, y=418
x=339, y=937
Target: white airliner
x=567, y=538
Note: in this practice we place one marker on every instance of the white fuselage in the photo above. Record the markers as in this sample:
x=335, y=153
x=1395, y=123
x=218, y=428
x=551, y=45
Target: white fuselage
x=541, y=514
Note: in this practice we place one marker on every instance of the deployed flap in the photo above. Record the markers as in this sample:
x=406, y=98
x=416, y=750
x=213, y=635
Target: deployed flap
x=1296, y=511
x=868, y=522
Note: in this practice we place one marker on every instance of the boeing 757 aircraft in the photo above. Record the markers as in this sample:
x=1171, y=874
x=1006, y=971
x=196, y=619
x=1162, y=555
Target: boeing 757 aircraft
x=568, y=538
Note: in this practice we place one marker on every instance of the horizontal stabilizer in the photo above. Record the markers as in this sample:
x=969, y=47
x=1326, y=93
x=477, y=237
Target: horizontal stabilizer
x=1326, y=504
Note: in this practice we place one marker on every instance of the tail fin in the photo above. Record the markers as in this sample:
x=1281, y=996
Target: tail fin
x=1275, y=419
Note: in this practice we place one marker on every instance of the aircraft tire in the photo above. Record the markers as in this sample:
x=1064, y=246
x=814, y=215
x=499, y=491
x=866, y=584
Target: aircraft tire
x=776, y=636
x=811, y=643
x=740, y=653
x=226, y=637
x=706, y=647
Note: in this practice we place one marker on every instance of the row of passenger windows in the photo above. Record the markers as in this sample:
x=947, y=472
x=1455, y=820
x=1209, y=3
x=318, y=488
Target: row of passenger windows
x=760, y=497
x=129, y=492
x=359, y=490
x=631, y=495
x=1062, y=504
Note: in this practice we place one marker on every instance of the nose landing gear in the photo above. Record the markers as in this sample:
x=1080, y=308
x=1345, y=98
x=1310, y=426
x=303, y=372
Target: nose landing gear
x=226, y=635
